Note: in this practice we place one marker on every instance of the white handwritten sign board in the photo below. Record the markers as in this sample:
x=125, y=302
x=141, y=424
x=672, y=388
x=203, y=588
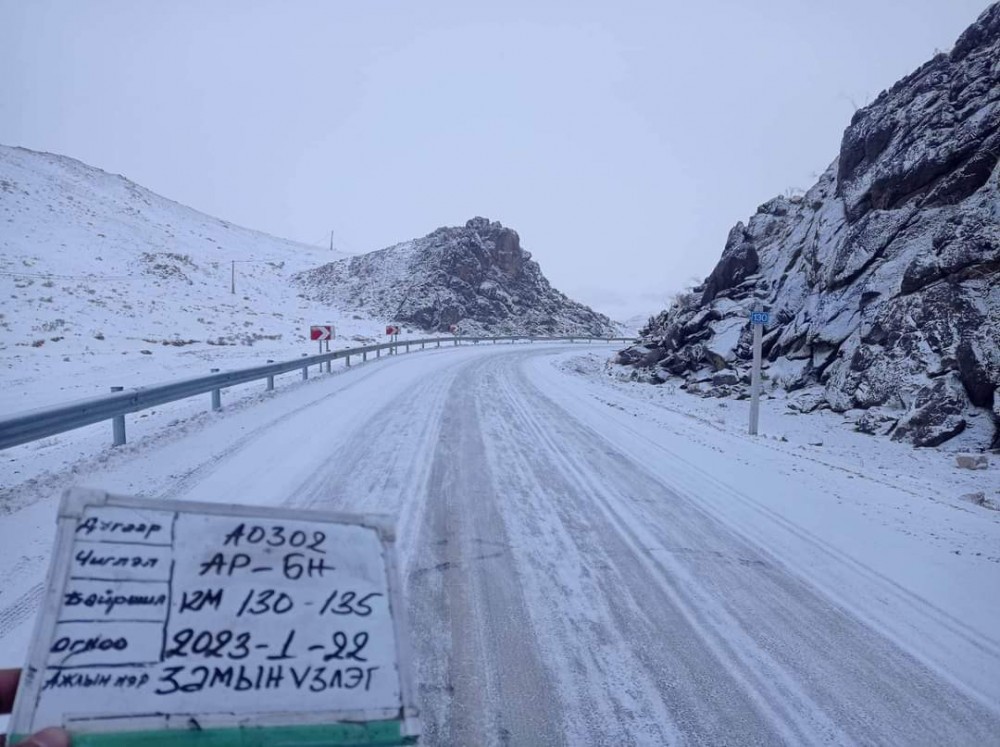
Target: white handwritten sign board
x=176, y=623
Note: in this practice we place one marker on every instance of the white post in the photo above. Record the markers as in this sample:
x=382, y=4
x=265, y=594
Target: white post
x=118, y=424
x=216, y=395
x=758, y=333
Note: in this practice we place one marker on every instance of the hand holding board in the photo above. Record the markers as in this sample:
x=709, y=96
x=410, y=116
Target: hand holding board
x=175, y=623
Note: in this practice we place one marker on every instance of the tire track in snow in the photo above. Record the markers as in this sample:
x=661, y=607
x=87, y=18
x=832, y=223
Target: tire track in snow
x=192, y=477
x=384, y=464
x=711, y=685
x=23, y=608
x=691, y=482
x=793, y=629
x=491, y=686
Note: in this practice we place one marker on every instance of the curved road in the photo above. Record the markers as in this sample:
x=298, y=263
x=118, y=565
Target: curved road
x=560, y=591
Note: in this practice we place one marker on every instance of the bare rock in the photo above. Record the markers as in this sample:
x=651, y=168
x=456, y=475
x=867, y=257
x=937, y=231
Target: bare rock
x=725, y=378
x=873, y=422
x=935, y=417
x=980, y=498
x=972, y=461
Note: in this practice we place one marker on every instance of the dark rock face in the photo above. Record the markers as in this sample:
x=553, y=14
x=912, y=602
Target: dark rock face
x=883, y=280
x=476, y=276
x=935, y=416
x=739, y=261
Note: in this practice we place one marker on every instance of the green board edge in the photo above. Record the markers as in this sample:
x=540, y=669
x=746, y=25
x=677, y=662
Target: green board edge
x=368, y=734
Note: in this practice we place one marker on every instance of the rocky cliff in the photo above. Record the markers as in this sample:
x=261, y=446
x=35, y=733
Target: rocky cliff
x=882, y=281
x=477, y=276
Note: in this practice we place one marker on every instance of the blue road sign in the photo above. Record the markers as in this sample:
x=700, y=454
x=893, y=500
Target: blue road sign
x=759, y=317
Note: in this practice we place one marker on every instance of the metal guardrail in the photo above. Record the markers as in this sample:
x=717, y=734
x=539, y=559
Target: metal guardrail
x=49, y=421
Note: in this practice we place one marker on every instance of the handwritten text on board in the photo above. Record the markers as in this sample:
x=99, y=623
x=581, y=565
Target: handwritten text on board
x=199, y=613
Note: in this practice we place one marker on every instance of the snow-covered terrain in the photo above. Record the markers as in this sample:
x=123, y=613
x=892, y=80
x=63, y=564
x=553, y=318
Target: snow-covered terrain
x=593, y=561
x=105, y=283
x=635, y=324
x=588, y=560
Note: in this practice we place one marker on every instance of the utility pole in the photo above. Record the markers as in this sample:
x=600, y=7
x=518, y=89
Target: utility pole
x=232, y=270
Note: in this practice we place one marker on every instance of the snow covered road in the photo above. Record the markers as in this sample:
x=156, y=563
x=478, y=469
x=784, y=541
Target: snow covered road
x=580, y=571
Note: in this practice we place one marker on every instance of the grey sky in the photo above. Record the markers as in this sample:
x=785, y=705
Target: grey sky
x=622, y=140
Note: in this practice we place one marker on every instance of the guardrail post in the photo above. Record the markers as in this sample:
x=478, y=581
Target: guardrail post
x=216, y=395
x=364, y=356
x=378, y=352
x=270, y=380
x=438, y=344
x=328, y=366
x=118, y=424
x=347, y=361
x=305, y=373
x=407, y=347
x=421, y=344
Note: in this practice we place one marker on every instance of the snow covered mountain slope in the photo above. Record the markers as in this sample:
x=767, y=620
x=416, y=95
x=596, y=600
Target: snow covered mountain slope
x=105, y=283
x=883, y=280
x=476, y=276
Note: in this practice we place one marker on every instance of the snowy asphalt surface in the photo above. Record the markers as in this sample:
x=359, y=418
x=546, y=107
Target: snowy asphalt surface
x=562, y=590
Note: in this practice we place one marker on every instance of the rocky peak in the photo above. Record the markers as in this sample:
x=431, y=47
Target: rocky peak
x=476, y=276
x=502, y=245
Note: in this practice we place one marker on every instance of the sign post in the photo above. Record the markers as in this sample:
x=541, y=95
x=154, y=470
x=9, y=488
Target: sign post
x=392, y=330
x=321, y=333
x=758, y=318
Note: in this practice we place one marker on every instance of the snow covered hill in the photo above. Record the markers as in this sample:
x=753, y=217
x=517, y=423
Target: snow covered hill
x=476, y=276
x=105, y=283
x=883, y=280
x=634, y=325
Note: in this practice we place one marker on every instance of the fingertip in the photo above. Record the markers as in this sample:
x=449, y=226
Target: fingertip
x=47, y=738
x=9, y=679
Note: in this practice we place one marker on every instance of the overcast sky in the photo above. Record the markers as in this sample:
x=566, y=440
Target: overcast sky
x=621, y=139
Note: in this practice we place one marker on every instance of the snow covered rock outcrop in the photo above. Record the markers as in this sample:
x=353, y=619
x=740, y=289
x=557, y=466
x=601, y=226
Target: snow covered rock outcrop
x=883, y=280
x=476, y=276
